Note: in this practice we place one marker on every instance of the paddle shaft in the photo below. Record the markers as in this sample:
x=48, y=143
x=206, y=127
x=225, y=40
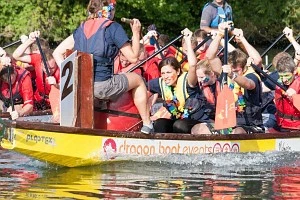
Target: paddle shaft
x=158, y=47
x=11, y=44
x=287, y=48
x=10, y=89
x=155, y=53
x=268, y=49
x=196, y=48
x=267, y=76
x=44, y=59
x=224, y=81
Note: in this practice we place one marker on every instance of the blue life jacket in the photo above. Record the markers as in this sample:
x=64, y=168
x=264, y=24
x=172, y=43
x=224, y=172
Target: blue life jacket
x=223, y=14
x=92, y=40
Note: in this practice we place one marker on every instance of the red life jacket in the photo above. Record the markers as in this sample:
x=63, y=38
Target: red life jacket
x=210, y=97
x=16, y=96
x=41, y=93
x=287, y=114
x=42, y=86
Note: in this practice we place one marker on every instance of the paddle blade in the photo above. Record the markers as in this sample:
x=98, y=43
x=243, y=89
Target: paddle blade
x=55, y=104
x=225, y=110
x=296, y=101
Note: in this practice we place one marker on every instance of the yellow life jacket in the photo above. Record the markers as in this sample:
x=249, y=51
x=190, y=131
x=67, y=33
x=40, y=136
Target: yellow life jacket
x=180, y=91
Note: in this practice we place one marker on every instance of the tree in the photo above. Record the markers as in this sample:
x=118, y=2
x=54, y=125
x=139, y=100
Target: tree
x=261, y=20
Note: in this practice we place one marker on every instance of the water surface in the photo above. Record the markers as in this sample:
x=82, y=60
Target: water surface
x=215, y=176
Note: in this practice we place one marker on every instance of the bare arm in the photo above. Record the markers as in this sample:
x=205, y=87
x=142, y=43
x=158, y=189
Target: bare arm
x=192, y=60
x=216, y=65
x=20, y=52
x=245, y=82
x=26, y=110
x=60, y=50
x=213, y=47
x=217, y=40
x=251, y=51
x=289, y=35
x=131, y=52
x=242, y=81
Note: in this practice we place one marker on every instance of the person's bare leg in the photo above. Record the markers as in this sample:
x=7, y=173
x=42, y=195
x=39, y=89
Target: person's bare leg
x=200, y=129
x=238, y=130
x=139, y=94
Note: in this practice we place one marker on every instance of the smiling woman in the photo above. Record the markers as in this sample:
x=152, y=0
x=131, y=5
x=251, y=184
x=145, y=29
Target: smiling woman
x=179, y=91
x=175, y=88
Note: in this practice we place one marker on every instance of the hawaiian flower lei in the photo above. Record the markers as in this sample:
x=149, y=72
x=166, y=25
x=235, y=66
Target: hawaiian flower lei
x=241, y=104
x=172, y=106
x=106, y=11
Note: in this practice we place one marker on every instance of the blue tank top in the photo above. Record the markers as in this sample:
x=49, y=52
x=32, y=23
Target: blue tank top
x=90, y=37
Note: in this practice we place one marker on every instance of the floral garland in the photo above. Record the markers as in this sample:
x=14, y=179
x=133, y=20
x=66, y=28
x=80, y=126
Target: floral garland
x=106, y=11
x=238, y=95
x=172, y=105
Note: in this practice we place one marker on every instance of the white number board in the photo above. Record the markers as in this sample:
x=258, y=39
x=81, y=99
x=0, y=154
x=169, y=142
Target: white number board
x=68, y=87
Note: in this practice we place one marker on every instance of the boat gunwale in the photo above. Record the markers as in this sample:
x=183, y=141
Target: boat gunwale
x=50, y=127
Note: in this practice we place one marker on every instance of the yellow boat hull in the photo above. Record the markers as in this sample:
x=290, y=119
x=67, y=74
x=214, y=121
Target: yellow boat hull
x=83, y=149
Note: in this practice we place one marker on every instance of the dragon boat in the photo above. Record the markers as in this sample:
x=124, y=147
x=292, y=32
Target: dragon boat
x=92, y=132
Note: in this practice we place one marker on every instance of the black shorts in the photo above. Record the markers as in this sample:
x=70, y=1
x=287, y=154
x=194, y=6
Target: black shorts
x=252, y=129
x=248, y=129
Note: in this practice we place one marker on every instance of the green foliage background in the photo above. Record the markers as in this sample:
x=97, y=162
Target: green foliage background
x=261, y=20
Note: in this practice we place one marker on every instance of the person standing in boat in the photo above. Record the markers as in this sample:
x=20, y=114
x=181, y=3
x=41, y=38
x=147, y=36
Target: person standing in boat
x=104, y=38
x=287, y=115
x=22, y=92
x=178, y=90
x=41, y=81
x=213, y=14
x=242, y=80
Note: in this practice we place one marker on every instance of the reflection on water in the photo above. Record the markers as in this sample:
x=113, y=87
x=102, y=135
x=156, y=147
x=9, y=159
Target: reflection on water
x=218, y=176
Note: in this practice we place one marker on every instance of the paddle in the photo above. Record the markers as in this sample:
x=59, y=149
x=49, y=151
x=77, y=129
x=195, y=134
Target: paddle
x=225, y=108
x=158, y=47
x=11, y=44
x=54, y=92
x=10, y=89
x=196, y=48
x=268, y=49
x=287, y=48
x=296, y=97
x=154, y=54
